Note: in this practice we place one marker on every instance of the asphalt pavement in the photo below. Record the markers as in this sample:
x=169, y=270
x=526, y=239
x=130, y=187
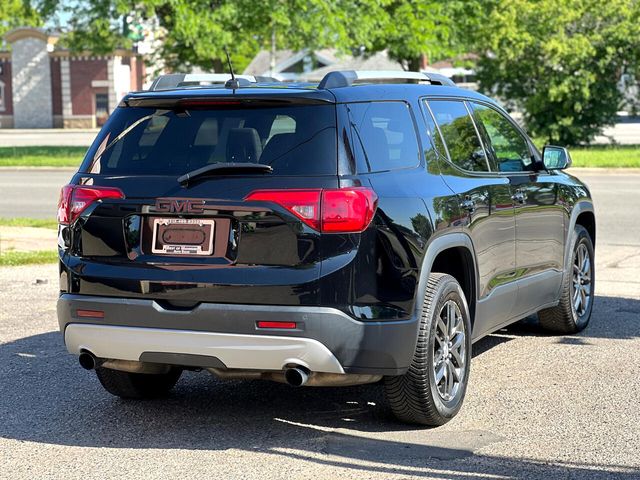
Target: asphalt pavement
x=31, y=192
x=47, y=137
x=538, y=405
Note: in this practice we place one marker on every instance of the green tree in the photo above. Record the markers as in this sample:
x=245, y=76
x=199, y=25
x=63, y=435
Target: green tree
x=18, y=13
x=196, y=31
x=558, y=61
x=97, y=26
x=413, y=28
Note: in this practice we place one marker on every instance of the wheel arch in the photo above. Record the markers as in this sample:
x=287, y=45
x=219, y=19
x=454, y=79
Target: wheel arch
x=588, y=220
x=581, y=214
x=452, y=254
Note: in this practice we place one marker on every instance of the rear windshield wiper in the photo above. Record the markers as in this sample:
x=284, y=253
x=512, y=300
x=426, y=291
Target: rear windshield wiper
x=224, y=169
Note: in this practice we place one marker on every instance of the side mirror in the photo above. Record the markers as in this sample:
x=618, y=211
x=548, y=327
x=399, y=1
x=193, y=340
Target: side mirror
x=555, y=158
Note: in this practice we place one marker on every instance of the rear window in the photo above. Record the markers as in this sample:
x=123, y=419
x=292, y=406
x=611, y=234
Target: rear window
x=293, y=140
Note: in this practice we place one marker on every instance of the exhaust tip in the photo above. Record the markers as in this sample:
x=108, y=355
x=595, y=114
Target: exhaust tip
x=87, y=361
x=296, y=377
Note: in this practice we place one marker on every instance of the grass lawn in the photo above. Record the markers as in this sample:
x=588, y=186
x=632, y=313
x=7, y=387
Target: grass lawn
x=29, y=222
x=606, y=156
x=593, y=156
x=41, y=156
x=12, y=258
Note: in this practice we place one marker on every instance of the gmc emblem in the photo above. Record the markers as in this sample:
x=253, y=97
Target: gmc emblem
x=170, y=205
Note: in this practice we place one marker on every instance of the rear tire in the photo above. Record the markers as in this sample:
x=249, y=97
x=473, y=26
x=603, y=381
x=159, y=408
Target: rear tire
x=573, y=312
x=432, y=390
x=138, y=385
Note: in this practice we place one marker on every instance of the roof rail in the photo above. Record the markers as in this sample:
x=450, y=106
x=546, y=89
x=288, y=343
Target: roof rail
x=177, y=80
x=346, y=78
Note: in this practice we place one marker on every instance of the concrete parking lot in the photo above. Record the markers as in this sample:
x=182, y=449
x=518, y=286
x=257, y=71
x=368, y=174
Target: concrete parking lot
x=538, y=406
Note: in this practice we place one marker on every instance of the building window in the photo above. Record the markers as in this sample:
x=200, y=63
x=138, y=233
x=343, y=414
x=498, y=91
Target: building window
x=102, y=104
x=101, y=108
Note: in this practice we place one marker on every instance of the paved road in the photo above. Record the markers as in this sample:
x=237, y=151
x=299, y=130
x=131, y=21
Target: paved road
x=31, y=192
x=34, y=193
x=538, y=406
x=52, y=136
x=625, y=133
x=617, y=201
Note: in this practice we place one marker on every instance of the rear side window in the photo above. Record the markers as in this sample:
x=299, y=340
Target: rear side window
x=294, y=140
x=384, y=135
x=460, y=136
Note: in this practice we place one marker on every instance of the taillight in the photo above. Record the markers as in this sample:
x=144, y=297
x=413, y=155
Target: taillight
x=74, y=199
x=348, y=209
x=304, y=204
x=340, y=210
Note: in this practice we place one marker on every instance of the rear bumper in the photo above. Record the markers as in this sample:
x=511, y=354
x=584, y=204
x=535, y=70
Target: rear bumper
x=222, y=350
x=325, y=340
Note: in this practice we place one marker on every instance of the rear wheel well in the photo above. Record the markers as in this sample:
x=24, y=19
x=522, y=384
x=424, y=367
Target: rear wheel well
x=588, y=221
x=458, y=262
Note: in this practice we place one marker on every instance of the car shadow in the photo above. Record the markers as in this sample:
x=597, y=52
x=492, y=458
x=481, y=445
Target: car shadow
x=46, y=397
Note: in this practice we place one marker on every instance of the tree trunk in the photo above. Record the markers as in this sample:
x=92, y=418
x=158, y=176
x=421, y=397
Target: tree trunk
x=219, y=66
x=414, y=63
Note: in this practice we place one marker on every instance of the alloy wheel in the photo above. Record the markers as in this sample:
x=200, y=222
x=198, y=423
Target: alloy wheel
x=449, y=351
x=581, y=285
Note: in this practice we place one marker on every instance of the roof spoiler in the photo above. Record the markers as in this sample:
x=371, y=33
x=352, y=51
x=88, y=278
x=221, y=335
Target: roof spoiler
x=179, y=80
x=346, y=78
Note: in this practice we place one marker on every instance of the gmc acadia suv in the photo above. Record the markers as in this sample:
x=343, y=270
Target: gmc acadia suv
x=366, y=229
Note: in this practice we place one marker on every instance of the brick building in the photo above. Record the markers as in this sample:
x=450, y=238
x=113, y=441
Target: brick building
x=42, y=86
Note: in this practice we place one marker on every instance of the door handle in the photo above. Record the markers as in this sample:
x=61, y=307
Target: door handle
x=519, y=197
x=468, y=204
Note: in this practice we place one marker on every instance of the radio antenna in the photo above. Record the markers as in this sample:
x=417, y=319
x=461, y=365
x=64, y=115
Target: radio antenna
x=233, y=83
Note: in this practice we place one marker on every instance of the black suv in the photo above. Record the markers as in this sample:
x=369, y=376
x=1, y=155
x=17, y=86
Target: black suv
x=366, y=229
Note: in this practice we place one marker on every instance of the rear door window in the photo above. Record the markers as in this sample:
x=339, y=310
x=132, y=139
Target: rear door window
x=293, y=140
x=459, y=134
x=384, y=135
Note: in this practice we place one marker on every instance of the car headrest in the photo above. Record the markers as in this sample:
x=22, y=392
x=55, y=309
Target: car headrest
x=243, y=145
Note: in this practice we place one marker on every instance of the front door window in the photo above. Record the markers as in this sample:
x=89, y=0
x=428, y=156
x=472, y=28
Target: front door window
x=507, y=145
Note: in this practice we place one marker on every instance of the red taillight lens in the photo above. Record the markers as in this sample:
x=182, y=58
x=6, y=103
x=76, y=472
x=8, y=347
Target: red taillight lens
x=341, y=210
x=74, y=199
x=348, y=209
x=304, y=204
x=63, y=204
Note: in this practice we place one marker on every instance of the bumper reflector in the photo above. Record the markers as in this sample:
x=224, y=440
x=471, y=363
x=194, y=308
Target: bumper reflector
x=90, y=313
x=288, y=325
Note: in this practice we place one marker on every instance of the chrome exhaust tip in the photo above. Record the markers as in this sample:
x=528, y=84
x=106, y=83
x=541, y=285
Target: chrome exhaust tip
x=87, y=361
x=296, y=377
